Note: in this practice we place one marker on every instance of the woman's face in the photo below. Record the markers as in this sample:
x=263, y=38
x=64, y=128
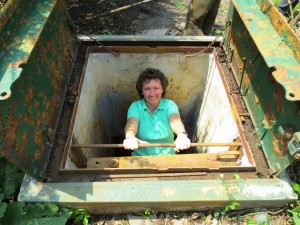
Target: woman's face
x=152, y=91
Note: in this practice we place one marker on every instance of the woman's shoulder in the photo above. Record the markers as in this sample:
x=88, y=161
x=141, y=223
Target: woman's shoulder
x=138, y=103
x=170, y=106
x=167, y=101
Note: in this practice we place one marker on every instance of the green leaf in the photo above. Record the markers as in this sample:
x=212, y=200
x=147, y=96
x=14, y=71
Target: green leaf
x=250, y=222
x=3, y=206
x=296, y=217
x=236, y=176
x=85, y=221
x=296, y=187
x=14, y=211
x=51, y=209
x=13, y=178
x=35, y=214
x=296, y=209
x=80, y=215
x=231, y=206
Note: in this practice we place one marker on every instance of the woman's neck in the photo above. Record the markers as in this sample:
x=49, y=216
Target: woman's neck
x=151, y=107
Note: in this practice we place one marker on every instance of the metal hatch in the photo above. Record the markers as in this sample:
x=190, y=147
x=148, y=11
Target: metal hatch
x=30, y=117
x=267, y=70
x=34, y=71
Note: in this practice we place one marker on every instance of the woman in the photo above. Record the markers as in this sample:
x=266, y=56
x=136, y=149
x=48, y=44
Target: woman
x=154, y=119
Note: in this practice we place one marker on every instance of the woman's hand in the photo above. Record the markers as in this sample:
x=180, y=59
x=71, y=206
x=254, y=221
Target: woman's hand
x=182, y=142
x=132, y=143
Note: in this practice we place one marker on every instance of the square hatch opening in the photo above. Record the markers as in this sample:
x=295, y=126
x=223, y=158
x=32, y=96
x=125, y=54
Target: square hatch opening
x=197, y=84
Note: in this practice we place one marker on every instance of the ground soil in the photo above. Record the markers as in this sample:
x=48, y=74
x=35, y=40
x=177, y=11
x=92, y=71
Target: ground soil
x=123, y=17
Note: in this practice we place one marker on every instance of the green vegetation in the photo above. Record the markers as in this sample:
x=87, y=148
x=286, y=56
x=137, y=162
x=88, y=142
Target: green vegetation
x=276, y=2
x=236, y=176
x=293, y=18
x=149, y=212
x=222, y=212
x=179, y=4
x=10, y=178
x=231, y=206
x=21, y=213
x=80, y=215
x=106, y=32
x=295, y=208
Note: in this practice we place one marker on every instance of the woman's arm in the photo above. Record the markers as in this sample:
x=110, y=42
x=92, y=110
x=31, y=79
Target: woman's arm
x=131, y=142
x=131, y=127
x=182, y=141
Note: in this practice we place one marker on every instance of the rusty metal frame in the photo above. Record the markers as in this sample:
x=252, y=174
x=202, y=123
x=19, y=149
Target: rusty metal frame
x=36, y=64
x=212, y=162
x=267, y=69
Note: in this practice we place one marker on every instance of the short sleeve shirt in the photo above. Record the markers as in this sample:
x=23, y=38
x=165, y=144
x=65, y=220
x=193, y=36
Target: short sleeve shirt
x=154, y=128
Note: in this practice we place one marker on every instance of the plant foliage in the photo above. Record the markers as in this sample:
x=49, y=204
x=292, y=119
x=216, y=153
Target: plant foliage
x=80, y=215
x=20, y=213
x=10, y=178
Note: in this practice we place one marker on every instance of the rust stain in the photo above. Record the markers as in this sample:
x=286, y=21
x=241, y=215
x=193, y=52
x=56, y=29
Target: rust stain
x=17, y=63
x=256, y=99
x=24, y=136
x=279, y=144
x=246, y=79
x=280, y=73
x=269, y=112
x=278, y=96
x=28, y=120
x=49, y=45
x=36, y=104
x=38, y=139
x=29, y=96
x=10, y=133
x=20, y=148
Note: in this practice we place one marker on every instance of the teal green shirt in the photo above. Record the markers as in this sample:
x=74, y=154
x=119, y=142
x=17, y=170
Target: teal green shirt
x=154, y=128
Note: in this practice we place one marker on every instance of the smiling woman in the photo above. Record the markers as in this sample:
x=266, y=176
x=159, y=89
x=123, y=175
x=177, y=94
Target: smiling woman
x=154, y=119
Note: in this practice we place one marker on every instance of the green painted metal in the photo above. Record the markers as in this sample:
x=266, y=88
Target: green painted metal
x=141, y=39
x=276, y=51
x=136, y=196
x=7, y=11
x=38, y=48
x=267, y=68
x=18, y=40
x=35, y=68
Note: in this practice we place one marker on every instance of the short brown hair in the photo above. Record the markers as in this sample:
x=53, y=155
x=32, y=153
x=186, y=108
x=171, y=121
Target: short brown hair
x=150, y=74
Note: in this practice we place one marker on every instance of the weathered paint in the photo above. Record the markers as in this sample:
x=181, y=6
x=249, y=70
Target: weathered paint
x=274, y=49
x=289, y=37
x=7, y=11
x=30, y=114
x=35, y=62
x=171, y=163
x=128, y=196
x=18, y=39
x=271, y=81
